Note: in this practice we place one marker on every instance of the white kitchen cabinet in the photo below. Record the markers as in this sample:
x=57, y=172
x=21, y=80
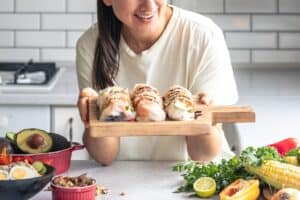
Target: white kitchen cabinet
x=17, y=117
x=60, y=124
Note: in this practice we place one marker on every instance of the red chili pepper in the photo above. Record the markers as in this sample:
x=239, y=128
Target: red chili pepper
x=285, y=145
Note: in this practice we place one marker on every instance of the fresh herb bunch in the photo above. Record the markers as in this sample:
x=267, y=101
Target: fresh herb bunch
x=224, y=173
x=257, y=156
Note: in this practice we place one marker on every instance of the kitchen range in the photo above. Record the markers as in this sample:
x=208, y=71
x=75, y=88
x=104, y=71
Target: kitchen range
x=28, y=77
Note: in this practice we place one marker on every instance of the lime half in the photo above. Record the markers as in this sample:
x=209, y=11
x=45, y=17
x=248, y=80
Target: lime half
x=205, y=186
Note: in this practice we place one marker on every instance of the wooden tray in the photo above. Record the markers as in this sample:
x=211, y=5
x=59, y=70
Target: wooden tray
x=207, y=116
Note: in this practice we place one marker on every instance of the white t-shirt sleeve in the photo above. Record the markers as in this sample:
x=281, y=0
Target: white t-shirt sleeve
x=214, y=74
x=85, y=57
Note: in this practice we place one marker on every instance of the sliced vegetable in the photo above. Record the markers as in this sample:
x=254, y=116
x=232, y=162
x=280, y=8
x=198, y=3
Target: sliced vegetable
x=34, y=141
x=241, y=189
x=285, y=145
x=40, y=167
x=11, y=136
x=205, y=187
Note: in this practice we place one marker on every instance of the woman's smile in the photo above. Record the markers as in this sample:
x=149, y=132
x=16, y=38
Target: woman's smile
x=145, y=17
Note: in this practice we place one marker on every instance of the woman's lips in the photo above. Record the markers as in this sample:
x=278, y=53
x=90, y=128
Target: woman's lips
x=145, y=17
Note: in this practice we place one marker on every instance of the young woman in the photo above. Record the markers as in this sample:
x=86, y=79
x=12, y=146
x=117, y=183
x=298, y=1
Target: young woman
x=149, y=41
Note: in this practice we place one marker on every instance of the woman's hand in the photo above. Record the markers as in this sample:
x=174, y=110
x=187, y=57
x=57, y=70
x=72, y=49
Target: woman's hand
x=82, y=103
x=205, y=99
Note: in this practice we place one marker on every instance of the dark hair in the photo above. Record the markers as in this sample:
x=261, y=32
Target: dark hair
x=106, y=59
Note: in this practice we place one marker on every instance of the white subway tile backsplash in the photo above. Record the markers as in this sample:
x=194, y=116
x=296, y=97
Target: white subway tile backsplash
x=18, y=54
x=201, y=6
x=19, y=21
x=6, y=5
x=94, y=18
x=82, y=5
x=275, y=56
x=240, y=56
x=255, y=30
x=40, y=39
x=6, y=39
x=289, y=40
x=268, y=79
x=40, y=5
x=289, y=6
x=73, y=37
x=58, y=54
x=289, y=82
x=251, y=6
x=276, y=22
x=66, y=21
x=232, y=22
x=251, y=40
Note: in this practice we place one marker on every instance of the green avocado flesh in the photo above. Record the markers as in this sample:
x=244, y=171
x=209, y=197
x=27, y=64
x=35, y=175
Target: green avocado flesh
x=34, y=141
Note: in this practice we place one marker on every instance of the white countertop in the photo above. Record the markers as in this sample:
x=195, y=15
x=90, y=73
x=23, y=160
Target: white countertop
x=253, y=83
x=137, y=179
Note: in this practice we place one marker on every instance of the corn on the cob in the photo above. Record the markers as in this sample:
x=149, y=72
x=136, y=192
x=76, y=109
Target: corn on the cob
x=279, y=175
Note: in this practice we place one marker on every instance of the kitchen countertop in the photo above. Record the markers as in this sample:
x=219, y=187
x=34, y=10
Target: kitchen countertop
x=254, y=81
x=145, y=180
x=137, y=179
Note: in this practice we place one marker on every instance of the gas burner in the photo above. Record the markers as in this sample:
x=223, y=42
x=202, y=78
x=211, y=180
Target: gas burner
x=28, y=76
x=29, y=73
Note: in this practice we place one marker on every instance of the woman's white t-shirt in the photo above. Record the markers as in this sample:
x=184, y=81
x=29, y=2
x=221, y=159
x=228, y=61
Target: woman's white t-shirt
x=190, y=52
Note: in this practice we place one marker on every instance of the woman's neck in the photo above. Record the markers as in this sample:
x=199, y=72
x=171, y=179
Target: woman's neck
x=139, y=43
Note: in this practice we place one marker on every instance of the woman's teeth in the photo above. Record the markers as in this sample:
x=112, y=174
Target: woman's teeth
x=145, y=16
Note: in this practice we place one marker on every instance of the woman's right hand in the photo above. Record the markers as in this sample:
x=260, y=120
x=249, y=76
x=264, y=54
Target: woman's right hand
x=82, y=103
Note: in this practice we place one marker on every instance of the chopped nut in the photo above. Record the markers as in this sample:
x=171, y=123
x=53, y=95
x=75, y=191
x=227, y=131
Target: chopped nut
x=101, y=190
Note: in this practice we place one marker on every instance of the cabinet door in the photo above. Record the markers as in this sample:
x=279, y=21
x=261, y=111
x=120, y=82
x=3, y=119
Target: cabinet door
x=16, y=117
x=60, y=124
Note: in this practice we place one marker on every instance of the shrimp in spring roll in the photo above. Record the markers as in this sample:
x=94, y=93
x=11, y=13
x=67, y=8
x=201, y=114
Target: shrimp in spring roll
x=115, y=104
x=179, y=104
x=147, y=103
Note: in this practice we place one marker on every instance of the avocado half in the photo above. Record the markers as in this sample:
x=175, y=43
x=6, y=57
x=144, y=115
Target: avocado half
x=34, y=141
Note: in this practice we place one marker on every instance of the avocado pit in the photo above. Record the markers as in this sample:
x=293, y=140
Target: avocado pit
x=35, y=141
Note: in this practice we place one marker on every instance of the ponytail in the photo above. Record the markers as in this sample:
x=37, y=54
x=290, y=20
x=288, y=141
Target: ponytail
x=106, y=59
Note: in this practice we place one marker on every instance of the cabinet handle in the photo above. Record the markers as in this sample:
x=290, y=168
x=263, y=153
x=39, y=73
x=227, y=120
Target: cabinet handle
x=233, y=148
x=71, y=129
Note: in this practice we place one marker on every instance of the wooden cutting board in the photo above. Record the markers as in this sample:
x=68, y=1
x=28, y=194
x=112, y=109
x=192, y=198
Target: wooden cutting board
x=205, y=118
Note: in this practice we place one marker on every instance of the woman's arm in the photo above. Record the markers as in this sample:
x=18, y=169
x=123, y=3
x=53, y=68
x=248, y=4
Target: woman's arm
x=206, y=146
x=103, y=150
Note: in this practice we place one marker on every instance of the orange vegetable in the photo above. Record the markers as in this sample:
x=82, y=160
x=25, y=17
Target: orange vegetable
x=241, y=189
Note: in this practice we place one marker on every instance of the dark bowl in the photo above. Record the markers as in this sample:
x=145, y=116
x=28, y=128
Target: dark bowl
x=26, y=188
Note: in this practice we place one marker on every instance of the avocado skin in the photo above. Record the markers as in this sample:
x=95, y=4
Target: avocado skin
x=59, y=142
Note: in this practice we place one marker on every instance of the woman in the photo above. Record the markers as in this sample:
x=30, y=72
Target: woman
x=149, y=41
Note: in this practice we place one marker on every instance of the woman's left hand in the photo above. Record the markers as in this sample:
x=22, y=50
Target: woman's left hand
x=205, y=99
